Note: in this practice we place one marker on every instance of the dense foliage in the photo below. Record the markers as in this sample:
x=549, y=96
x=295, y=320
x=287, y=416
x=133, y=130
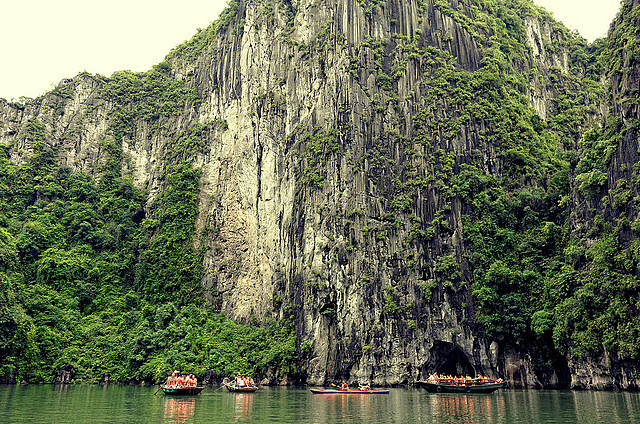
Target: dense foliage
x=87, y=278
x=593, y=303
x=515, y=221
x=533, y=277
x=535, y=280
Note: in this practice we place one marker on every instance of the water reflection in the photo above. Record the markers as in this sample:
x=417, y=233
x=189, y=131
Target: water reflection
x=242, y=406
x=464, y=408
x=331, y=408
x=612, y=408
x=61, y=388
x=73, y=404
x=179, y=410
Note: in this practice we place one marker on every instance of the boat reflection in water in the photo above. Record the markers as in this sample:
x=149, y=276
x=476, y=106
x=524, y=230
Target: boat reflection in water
x=179, y=410
x=341, y=408
x=467, y=408
x=242, y=406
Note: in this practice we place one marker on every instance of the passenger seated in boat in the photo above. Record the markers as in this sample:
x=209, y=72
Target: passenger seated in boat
x=344, y=386
x=250, y=381
x=183, y=381
x=366, y=387
x=192, y=381
x=239, y=381
x=170, y=380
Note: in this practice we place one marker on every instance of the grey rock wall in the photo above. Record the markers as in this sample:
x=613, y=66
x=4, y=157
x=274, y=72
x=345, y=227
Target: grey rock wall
x=325, y=253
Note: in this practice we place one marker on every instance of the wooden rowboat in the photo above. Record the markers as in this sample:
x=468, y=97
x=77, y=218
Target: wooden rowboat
x=181, y=391
x=471, y=387
x=348, y=392
x=240, y=389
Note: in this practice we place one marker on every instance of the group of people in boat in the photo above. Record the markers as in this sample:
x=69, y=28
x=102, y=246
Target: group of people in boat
x=178, y=379
x=244, y=381
x=449, y=379
x=345, y=387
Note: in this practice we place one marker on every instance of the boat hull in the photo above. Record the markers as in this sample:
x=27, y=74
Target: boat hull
x=460, y=388
x=348, y=392
x=241, y=389
x=181, y=391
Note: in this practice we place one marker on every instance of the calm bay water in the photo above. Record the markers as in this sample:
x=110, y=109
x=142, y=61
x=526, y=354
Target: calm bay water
x=125, y=404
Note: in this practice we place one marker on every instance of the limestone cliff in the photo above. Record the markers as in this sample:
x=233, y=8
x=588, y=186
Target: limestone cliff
x=336, y=130
x=613, y=201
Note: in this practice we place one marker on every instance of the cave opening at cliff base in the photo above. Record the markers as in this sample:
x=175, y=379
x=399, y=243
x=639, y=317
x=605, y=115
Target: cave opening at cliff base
x=448, y=359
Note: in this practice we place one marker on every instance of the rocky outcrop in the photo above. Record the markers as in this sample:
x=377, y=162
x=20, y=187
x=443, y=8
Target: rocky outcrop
x=615, y=202
x=609, y=373
x=315, y=104
x=624, y=72
x=65, y=374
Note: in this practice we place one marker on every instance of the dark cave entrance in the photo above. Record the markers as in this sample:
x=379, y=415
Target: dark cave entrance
x=449, y=359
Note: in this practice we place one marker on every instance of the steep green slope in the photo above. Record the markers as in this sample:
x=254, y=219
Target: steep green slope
x=593, y=303
x=89, y=280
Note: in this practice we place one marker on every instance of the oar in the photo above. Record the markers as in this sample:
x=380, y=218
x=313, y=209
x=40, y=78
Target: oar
x=157, y=390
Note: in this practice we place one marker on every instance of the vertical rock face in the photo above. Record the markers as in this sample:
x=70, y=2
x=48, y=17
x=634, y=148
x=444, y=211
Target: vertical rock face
x=300, y=229
x=304, y=205
x=616, y=202
x=65, y=374
x=625, y=88
x=316, y=105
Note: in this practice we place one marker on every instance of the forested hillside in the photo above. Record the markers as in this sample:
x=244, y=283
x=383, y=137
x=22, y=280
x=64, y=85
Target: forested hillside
x=309, y=191
x=95, y=277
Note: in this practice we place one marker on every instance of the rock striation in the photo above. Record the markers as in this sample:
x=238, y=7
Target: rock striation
x=322, y=182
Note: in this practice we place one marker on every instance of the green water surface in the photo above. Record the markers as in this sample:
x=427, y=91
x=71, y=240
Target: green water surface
x=127, y=404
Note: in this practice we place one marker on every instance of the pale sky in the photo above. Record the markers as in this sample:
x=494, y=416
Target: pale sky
x=44, y=41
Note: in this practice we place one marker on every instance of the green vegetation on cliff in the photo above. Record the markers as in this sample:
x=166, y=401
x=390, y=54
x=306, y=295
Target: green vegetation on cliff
x=534, y=276
x=535, y=280
x=593, y=302
x=88, y=278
